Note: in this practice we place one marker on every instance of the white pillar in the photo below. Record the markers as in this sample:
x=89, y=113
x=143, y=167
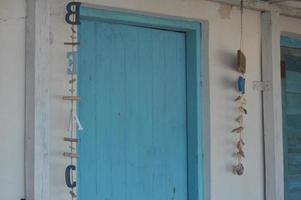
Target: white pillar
x=37, y=101
x=272, y=106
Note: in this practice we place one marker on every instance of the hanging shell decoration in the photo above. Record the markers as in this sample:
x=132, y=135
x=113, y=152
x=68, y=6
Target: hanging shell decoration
x=238, y=169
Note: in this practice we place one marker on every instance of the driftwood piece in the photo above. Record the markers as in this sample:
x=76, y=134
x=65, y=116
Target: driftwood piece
x=71, y=140
x=71, y=43
x=241, y=62
x=71, y=98
x=71, y=155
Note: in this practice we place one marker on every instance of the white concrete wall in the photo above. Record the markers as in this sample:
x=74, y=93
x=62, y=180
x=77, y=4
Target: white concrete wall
x=12, y=79
x=223, y=43
x=291, y=26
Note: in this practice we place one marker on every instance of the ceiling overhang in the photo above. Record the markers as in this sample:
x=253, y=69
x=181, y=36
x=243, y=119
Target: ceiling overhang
x=284, y=7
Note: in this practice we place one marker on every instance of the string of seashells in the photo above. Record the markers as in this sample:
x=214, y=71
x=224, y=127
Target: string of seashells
x=238, y=168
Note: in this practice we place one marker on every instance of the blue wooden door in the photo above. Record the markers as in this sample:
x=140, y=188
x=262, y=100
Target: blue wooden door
x=132, y=83
x=291, y=97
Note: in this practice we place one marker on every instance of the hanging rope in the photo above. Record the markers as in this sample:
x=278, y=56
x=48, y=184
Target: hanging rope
x=241, y=23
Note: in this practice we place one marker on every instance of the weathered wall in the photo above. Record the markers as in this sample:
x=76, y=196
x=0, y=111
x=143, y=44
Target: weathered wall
x=290, y=26
x=12, y=79
x=223, y=43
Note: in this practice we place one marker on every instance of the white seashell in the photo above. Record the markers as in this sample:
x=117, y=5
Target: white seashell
x=239, y=119
x=243, y=110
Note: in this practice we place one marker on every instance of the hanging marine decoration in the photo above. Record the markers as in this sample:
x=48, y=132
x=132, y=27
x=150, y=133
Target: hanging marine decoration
x=72, y=18
x=238, y=168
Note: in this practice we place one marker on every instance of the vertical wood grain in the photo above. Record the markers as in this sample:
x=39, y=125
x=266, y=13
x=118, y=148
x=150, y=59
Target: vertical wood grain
x=132, y=83
x=195, y=92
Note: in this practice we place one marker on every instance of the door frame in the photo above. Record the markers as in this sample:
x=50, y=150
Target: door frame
x=194, y=89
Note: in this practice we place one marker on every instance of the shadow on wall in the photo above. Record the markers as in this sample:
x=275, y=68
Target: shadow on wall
x=228, y=57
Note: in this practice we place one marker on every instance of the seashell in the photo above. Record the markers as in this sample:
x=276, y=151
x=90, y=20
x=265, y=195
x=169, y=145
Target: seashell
x=238, y=98
x=240, y=144
x=240, y=153
x=242, y=109
x=239, y=119
x=238, y=169
x=238, y=130
x=244, y=101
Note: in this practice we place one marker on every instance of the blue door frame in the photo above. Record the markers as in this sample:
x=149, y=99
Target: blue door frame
x=290, y=42
x=194, y=100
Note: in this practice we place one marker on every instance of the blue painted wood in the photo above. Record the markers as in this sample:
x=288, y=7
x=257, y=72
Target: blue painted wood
x=140, y=20
x=193, y=72
x=290, y=42
x=133, y=87
x=293, y=84
x=292, y=61
x=291, y=97
x=285, y=136
x=194, y=116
